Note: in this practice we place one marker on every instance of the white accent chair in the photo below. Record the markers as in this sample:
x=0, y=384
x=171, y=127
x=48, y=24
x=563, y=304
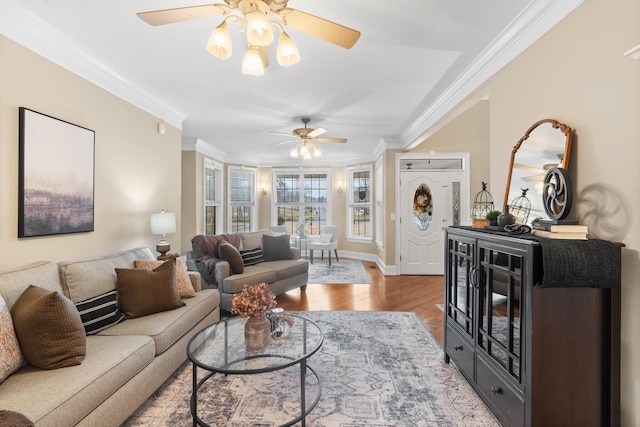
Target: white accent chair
x=324, y=243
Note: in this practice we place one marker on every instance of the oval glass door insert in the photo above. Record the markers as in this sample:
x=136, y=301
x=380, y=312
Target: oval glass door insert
x=423, y=207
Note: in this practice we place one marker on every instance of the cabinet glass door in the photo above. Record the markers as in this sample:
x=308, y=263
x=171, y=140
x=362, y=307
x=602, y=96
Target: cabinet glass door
x=501, y=275
x=460, y=305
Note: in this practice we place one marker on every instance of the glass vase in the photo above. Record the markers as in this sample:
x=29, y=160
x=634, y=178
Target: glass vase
x=257, y=332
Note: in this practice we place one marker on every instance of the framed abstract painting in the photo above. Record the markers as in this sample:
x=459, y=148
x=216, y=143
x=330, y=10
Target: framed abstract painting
x=56, y=176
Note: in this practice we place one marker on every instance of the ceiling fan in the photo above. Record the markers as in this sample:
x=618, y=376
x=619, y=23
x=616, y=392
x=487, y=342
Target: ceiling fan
x=252, y=15
x=306, y=139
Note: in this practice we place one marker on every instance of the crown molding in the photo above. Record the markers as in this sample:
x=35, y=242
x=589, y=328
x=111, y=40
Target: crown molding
x=531, y=24
x=202, y=147
x=20, y=25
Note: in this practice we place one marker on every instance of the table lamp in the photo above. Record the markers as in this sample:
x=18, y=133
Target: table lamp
x=163, y=223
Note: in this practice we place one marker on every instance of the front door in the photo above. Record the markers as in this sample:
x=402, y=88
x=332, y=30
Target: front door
x=422, y=210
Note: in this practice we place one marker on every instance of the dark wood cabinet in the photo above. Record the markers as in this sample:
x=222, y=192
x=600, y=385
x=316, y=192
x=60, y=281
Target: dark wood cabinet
x=536, y=356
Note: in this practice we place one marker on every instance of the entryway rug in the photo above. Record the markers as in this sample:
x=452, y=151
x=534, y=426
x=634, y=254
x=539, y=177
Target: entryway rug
x=376, y=369
x=343, y=271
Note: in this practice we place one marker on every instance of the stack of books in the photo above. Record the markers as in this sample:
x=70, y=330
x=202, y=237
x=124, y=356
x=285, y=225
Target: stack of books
x=564, y=230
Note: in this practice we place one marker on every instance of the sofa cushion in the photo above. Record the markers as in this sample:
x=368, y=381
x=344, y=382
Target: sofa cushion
x=100, y=312
x=286, y=269
x=228, y=252
x=11, y=358
x=167, y=327
x=252, y=256
x=86, y=279
x=14, y=282
x=142, y=292
x=183, y=283
x=49, y=329
x=62, y=397
x=276, y=247
x=253, y=238
x=253, y=275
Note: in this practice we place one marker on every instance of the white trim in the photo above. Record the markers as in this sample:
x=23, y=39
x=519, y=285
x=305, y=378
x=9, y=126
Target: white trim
x=633, y=53
x=531, y=24
x=19, y=24
x=199, y=146
x=465, y=194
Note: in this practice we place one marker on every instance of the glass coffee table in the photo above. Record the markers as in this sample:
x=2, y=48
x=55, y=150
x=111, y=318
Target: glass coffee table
x=221, y=349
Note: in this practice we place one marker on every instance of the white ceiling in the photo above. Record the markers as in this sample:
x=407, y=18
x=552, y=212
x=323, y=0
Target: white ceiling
x=415, y=60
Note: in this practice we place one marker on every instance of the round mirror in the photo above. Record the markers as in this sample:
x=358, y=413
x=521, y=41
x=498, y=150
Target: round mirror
x=545, y=145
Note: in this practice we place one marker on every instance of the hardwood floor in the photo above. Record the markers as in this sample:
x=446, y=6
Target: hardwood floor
x=385, y=293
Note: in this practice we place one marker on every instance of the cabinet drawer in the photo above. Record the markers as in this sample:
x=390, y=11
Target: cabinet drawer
x=461, y=352
x=508, y=401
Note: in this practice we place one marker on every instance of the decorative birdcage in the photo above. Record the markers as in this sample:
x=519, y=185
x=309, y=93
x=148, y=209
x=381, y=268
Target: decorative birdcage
x=520, y=207
x=482, y=204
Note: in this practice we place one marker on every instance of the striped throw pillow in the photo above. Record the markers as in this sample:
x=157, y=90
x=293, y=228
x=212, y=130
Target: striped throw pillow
x=100, y=312
x=252, y=256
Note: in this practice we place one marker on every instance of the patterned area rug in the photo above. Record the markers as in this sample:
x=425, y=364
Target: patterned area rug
x=371, y=375
x=343, y=271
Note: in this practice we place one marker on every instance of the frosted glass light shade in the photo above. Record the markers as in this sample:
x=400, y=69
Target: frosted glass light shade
x=287, y=51
x=163, y=223
x=252, y=63
x=294, y=152
x=259, y=29
x=219, y=43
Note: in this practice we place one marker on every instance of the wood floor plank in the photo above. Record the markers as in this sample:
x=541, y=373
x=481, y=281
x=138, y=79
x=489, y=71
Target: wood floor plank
x=419, y=294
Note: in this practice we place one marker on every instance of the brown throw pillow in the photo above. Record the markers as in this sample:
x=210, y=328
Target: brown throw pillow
x=183, y=283
x=49, y=329
x=228, y=252
x=142, y=292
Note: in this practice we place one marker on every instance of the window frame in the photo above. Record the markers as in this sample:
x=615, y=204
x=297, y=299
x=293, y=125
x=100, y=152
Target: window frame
x=218, y=195
x=251, y=204
x=352, y=204
x=300, y=204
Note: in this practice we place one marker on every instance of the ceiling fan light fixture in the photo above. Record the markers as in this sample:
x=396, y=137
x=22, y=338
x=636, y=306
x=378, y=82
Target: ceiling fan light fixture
x=259, y=29
x=219, y=43
x=294, y=152
x=316, y=151
x=304, y=151
x=252, y=64
x=287, y=51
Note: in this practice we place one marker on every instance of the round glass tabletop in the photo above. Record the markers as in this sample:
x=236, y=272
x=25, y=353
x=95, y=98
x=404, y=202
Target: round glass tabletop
x=221, y=347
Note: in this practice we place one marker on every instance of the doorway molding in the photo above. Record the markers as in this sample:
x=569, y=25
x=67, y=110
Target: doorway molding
x=461, y=175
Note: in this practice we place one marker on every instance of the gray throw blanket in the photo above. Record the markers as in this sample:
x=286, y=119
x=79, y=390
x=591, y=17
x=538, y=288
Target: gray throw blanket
x=579, y=263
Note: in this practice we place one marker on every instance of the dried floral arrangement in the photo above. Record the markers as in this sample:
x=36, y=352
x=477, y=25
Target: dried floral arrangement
x=253, y=301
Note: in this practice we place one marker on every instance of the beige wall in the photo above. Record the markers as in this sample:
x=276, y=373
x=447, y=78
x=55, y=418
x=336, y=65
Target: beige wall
x=137, y=171
x=577, y=75
x=192, y=197
x=469, y=132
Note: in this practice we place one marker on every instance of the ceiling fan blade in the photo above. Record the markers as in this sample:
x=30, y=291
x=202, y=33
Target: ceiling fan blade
x=528, y=168
x=330, y=139
x=533, y=178
x=279, y=133
x=316, y=132
x=285, y=142
x=326, y=30
x=169, y=16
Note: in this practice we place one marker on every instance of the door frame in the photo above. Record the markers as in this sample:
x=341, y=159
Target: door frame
x=453, y=175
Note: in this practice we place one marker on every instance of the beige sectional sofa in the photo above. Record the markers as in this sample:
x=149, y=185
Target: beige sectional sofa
x=281, y=266
x=124, y=364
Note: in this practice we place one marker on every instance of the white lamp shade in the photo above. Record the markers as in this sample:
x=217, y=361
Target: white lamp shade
x=259, y=29
x=219, y=43
x=287, y=51
x=163, y=223
x=252, y=63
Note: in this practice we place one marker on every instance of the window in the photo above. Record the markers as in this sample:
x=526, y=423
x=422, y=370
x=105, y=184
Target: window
x=301, y=197
x=359, y=203
x=379, y=214
x=242, y=195
x=212, y=196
